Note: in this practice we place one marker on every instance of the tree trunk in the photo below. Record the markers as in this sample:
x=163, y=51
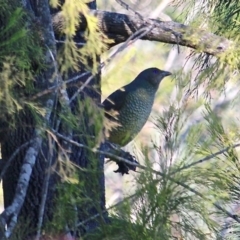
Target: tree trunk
x=91, y=178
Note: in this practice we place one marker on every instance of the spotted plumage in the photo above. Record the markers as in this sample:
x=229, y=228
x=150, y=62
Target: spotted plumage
x=133, y=104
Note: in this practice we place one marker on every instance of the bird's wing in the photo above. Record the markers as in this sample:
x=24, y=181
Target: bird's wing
x=115, y=101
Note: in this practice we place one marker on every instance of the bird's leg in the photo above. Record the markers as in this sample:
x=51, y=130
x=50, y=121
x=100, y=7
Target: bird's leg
x=123, y=159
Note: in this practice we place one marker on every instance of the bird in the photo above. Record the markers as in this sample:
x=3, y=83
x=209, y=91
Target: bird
x=132, y=105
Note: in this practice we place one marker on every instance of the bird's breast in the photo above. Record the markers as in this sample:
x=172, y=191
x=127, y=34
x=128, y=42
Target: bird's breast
x=137, y=109
x=133, y=115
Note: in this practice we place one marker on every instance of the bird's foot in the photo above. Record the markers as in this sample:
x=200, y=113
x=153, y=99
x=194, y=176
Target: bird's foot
x=128, y=161
x=124, y=167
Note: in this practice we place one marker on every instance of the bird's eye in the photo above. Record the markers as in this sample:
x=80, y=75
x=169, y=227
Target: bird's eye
x=155, y=71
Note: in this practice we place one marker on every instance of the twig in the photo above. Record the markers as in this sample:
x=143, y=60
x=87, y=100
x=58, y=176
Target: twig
x=127, y=7
x=63, y=97
x=44, y=192
x=207, y=158
x=80, y=145
x=233, y=216
x=77, y=43
x=106, y=210
x=150, y=22
x=58, y=85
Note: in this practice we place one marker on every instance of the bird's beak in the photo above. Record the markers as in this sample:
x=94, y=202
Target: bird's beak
x=165, y=73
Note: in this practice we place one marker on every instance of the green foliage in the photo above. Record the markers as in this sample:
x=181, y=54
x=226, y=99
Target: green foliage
x=70, y=196
x=227, y=14
x=71, y=54
x=20, y=57
x=71, y=203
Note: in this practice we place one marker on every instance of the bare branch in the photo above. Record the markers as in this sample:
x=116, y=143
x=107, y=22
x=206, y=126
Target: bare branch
x=44, y=191
x=8, y=163
x=10, y=214
x=120, y=27
x=95, y=150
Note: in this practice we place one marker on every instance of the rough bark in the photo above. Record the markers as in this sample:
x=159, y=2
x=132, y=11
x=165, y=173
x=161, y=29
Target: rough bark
x=24, y=178
x=119, y=27
x=46, y=157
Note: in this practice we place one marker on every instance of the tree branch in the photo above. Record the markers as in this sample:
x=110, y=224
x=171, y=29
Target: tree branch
x=119, y=27
x=10, y=214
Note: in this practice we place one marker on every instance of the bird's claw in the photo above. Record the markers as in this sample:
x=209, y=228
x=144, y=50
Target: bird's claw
x=124, y=167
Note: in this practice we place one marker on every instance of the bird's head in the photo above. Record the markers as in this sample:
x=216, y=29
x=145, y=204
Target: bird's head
x=153, y=76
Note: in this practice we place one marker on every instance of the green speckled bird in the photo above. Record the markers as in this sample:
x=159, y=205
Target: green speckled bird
x=133, y=103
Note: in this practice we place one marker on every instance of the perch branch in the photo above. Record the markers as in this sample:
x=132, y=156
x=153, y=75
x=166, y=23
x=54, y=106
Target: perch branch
x=119, y=27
